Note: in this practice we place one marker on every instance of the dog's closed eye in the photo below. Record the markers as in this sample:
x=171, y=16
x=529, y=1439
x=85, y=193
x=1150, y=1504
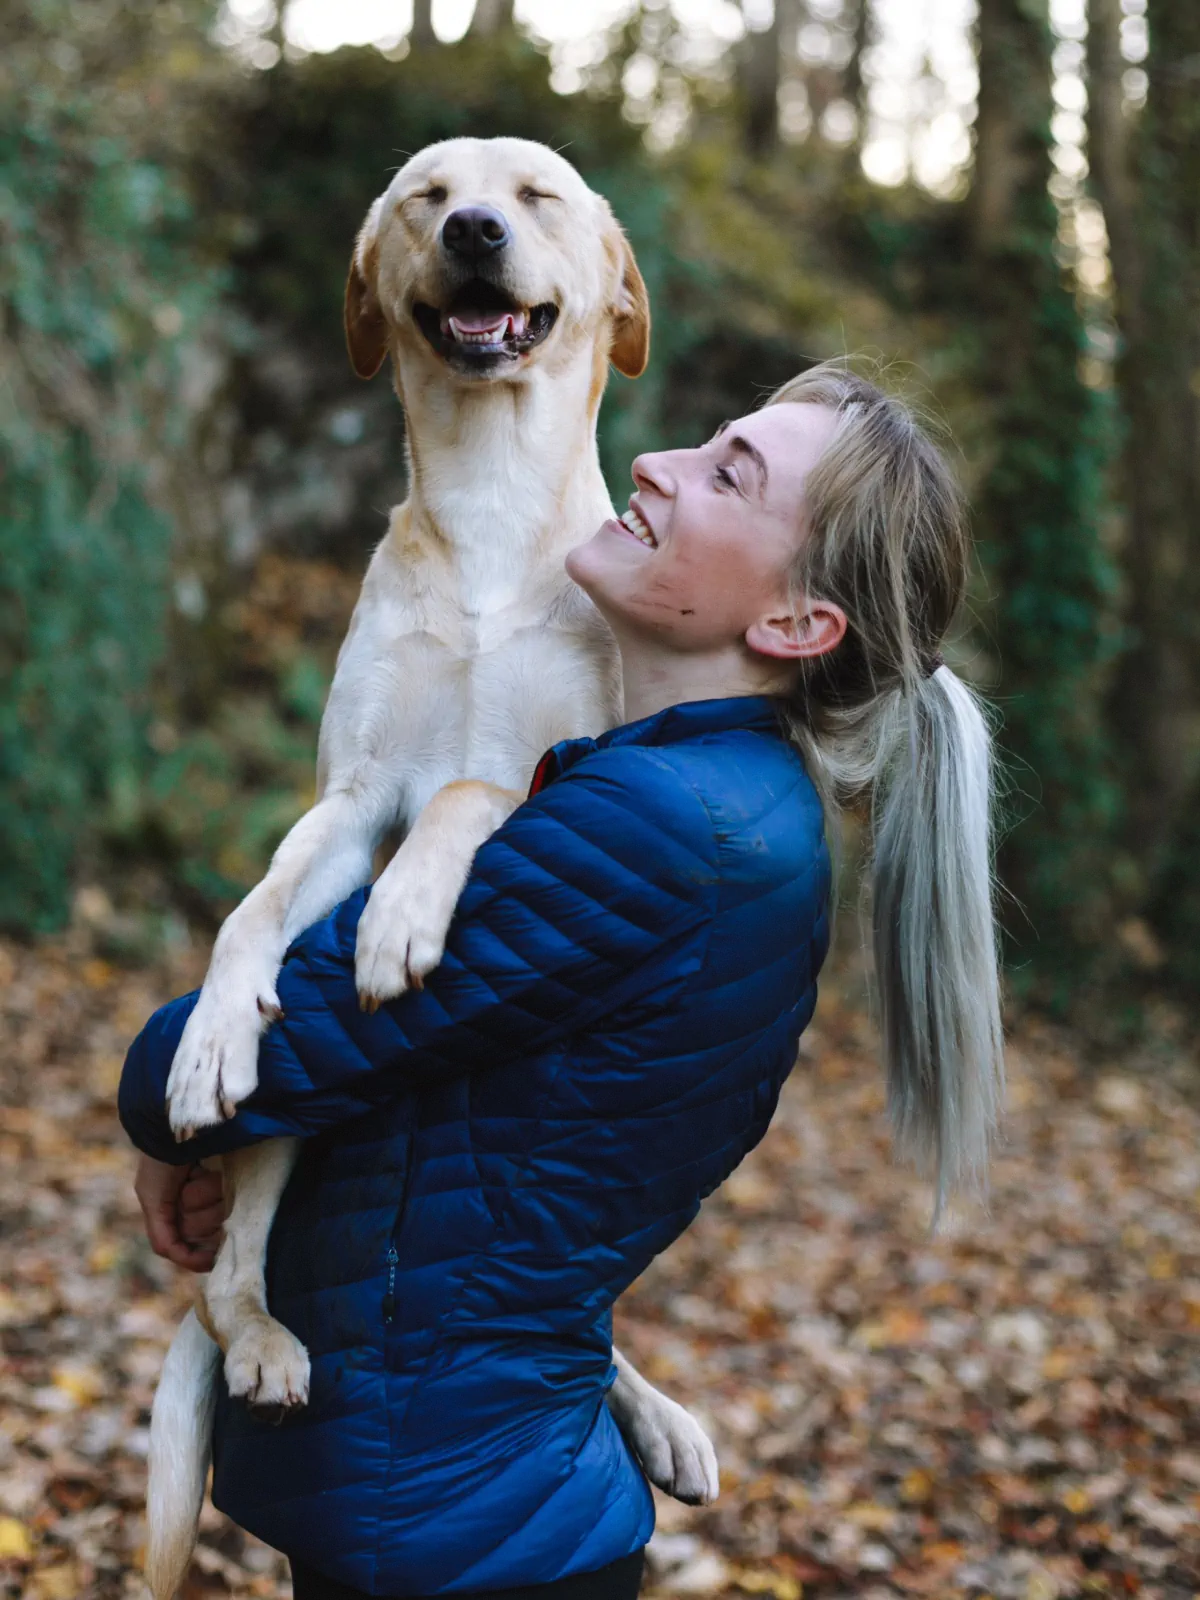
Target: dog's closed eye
x=435, y=194
x=529, y=196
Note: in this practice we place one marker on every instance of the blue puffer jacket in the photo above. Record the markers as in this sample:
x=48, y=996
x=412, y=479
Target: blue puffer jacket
x=491, y=1161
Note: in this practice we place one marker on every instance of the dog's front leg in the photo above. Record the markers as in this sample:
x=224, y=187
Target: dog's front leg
x=676, y=1453
x=323, y=859
x=264, y=1363
x=402, y=934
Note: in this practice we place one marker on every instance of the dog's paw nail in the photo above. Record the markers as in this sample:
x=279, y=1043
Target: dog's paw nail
x=416, y=981
x=271, y=1009
x=228, y=1110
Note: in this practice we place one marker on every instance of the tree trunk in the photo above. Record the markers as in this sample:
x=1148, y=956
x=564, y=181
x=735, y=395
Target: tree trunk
x=1108, y=157
x=1012, y=127
x=1149, y=187
x=855, y=88
x=1037, y=509
x=422, y=28
x=760, y=86
x=491, y=17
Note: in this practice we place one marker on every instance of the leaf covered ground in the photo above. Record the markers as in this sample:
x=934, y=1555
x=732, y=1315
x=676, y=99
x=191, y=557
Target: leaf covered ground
x=1011, y=1409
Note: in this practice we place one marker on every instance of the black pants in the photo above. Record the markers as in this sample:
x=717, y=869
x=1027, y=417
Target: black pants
x=620, y=1580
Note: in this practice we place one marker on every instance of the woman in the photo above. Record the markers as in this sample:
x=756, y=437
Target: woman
x=494, y=1159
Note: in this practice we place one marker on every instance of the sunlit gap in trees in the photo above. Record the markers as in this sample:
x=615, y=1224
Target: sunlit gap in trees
x=921, y=83
x=919, y=69
x=919, y=74
x=1082, y=237
x=316, y=26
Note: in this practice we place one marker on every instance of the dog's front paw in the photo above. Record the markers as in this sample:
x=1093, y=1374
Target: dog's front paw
x=402, y=933
x=216, y=1063
x=268, y=1367
x=676, y=1453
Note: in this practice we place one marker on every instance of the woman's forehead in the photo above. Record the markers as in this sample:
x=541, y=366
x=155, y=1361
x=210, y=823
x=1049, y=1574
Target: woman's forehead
x=791, y=436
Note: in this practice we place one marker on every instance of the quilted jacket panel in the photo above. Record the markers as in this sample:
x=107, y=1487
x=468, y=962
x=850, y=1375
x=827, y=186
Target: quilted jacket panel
x=491, y=1161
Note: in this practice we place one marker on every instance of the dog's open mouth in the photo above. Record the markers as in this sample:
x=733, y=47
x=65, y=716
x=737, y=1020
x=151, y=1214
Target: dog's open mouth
x=483, y=327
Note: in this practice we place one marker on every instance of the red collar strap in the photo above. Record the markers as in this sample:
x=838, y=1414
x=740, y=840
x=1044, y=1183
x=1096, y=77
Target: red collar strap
x=541, y=774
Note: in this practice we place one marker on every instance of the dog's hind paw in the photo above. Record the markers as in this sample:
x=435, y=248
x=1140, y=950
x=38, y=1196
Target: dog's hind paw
x=268, y=1367
x=676, y=1454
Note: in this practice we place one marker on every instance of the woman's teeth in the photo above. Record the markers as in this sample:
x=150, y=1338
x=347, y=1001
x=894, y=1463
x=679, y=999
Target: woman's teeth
x=638, y=527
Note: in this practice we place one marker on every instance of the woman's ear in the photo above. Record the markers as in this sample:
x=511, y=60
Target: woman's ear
x=792, y=635
x=366, y=326
x=629, y=349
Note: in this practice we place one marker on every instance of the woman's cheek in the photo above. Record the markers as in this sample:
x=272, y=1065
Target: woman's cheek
x=677, y=602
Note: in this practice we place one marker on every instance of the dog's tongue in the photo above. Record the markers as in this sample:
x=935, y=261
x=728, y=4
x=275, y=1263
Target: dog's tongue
x=496, y=325
x=481, y=321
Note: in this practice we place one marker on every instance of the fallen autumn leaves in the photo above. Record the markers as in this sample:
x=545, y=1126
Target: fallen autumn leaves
x=1010, y=1410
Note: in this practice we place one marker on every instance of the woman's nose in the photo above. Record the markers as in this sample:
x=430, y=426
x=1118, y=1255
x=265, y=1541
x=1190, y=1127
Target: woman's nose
x=651, y=471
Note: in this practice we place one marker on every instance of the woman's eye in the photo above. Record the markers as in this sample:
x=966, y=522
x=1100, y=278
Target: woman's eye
x=726, y=477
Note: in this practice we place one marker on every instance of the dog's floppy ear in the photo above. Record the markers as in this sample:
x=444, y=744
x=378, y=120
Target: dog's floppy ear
x=630, y=347
x=366, y=327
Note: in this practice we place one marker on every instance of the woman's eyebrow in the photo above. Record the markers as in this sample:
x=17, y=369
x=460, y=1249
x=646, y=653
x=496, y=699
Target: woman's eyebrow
x=744, y=448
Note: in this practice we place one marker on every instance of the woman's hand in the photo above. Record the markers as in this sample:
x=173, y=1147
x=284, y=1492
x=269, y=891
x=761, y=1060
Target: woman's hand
x=184, y=1209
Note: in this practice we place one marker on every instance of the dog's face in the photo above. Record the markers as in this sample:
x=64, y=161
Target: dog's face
x=485, y=257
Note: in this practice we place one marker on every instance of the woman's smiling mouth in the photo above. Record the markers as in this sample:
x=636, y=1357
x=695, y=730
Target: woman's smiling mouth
x=633, y=522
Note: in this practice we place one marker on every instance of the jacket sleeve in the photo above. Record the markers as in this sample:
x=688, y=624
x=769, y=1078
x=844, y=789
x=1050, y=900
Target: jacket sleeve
x=581, y=902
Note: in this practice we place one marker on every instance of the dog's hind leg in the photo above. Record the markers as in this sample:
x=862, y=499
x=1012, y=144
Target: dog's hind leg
x=675, y=1452
x=265, y=1364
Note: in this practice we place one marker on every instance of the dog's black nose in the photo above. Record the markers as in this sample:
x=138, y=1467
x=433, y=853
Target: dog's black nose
x=475, y=231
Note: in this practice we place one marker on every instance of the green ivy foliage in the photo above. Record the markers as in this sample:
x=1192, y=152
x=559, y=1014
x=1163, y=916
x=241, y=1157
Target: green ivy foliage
x=97, y=288
x=1039, y=509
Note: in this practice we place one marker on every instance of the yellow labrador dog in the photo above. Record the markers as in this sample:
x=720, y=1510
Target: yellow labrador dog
x=501, y=287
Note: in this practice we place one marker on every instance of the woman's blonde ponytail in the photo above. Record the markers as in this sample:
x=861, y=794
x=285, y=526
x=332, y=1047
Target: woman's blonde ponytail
x=934, y=936
x=881, y=718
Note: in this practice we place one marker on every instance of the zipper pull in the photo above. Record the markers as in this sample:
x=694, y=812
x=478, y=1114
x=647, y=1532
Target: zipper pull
x=389, y=1299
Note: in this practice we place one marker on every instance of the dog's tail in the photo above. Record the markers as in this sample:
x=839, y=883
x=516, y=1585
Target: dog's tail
x=180, y=1448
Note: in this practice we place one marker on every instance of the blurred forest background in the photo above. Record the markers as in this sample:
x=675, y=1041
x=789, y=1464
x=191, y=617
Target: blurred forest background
x=1005, y=203
x=192, y=478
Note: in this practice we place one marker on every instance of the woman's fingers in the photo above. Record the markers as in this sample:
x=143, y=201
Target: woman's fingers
x=168, y=1195
x=157, y=1186
x=201, y=1207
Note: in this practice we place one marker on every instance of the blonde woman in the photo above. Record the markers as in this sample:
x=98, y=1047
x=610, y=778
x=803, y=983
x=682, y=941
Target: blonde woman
x=493, y=1159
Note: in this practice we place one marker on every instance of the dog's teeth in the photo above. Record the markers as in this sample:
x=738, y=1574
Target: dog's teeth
x=513, y=326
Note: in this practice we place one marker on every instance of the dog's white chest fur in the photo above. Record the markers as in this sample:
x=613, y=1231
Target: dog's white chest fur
x=450, y=674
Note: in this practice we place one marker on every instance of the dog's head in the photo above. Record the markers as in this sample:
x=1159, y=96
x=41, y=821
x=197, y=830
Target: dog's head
x=485, y=257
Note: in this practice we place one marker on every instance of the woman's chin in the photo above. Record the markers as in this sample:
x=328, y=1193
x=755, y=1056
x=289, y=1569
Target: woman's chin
x=577, y=564
x=585, y=563
x=592, y=566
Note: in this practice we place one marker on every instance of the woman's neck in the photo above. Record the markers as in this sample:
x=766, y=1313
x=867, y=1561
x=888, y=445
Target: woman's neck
x=655, y=678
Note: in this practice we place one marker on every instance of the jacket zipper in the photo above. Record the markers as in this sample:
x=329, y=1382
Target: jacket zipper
x=389, y=1299
x=393, y=1255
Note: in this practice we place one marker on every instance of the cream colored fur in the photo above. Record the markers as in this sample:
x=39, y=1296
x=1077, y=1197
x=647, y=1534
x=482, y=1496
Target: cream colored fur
x=469, y=653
